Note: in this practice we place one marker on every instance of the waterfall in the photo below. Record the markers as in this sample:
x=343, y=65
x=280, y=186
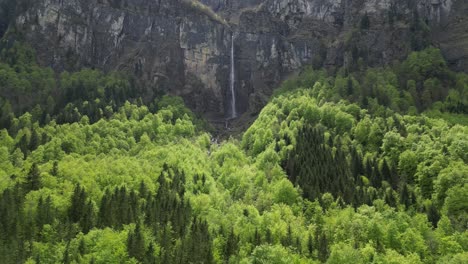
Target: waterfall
x=233, y=81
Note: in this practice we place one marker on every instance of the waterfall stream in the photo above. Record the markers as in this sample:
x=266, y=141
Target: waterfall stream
x=233, y=81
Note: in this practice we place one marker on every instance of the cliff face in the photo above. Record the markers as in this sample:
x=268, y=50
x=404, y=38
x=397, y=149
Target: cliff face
x=184, y=47
x=452, y=36
x=168, y=45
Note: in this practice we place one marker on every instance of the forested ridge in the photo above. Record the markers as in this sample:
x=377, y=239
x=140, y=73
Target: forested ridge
x=368, y=166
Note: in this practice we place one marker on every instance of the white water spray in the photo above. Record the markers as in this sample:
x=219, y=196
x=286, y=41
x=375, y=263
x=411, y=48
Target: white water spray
x=232, y=81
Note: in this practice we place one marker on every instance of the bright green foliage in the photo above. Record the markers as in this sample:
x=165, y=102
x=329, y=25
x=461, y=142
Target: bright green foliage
x=423, y=82
x=334, y=170
x=275, y=255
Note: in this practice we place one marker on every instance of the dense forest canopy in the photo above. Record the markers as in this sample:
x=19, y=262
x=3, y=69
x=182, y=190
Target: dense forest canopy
x=368, y=166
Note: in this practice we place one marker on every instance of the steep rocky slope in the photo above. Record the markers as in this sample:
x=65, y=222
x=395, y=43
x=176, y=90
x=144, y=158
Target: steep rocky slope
x=452, y=36
x=184, y=46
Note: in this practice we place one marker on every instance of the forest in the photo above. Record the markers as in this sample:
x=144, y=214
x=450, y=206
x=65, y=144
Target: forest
x=362, y=166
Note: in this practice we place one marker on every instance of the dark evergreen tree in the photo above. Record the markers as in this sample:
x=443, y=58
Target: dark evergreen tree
x=82, y=247
x=149, y=255
x=66, y=254
x=310, y=245
x=268, y=236
x=390, y=198
x=44, y=212
x=87, y=221
x=78, y=203
x=105, y=212
x=81, y=210
x=35, y=140
x=54, y=171
x=433, y=215
x=33, y=181
x=23, y=144
x=287, y=241
x=257, y=239
x=231, y=247
x=136, y=244
x=143, y=190
x=323, y=250
x=405, y=196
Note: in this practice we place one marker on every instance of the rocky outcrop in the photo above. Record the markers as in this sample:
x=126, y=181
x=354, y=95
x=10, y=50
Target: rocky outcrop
x=451, y=35
x=183, y=46
x=168, y=45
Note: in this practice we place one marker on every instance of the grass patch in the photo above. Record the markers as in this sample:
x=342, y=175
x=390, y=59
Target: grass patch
x=206, y=10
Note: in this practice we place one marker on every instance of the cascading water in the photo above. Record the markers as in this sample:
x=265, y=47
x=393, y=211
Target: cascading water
x=233, y=81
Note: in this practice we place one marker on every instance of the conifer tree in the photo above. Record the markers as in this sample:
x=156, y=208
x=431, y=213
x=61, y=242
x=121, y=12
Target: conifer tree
x=149, y=255
x=268, y=237
x=33, y=181
x=404, y=196
x=136, y=244
x=257, y=239
x=310, y=244
x=231, y=244
x=323, y=251
x=34, y=142
x=44, y=212
x=54, y=171
x=433, y=215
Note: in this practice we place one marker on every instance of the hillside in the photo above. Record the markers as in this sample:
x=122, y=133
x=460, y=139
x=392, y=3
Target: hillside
x=316, y=178
x=229, y=131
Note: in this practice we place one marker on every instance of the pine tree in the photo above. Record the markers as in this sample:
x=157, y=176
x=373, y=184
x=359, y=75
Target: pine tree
x=54, y=171
x=375, y=176
x=257, y=239
x=34, y=142
x=82, y=247
x=81, y=210
x=323, y=251
x=39, y=216
x=87, y=221
x=231, y=245
x=433, y=215
x=298, y=245
x=288, y=240
x=143, y=190
x=44, y=212
x=390, y=198
x=404, y=196
x=310, y=245
x=149, y=255
x=23, y=145
x=33, y=181
x=395, y=178
x=386, y=171
x=268, y=237
x=105, y=211
x=66, y=254
x=136, y=244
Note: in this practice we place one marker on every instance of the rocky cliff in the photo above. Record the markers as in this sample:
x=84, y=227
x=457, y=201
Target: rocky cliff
x=184, y=46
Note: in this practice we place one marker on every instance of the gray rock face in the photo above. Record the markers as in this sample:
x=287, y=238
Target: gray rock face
x=183, y=47
x=233, y=5
x=452, y=35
